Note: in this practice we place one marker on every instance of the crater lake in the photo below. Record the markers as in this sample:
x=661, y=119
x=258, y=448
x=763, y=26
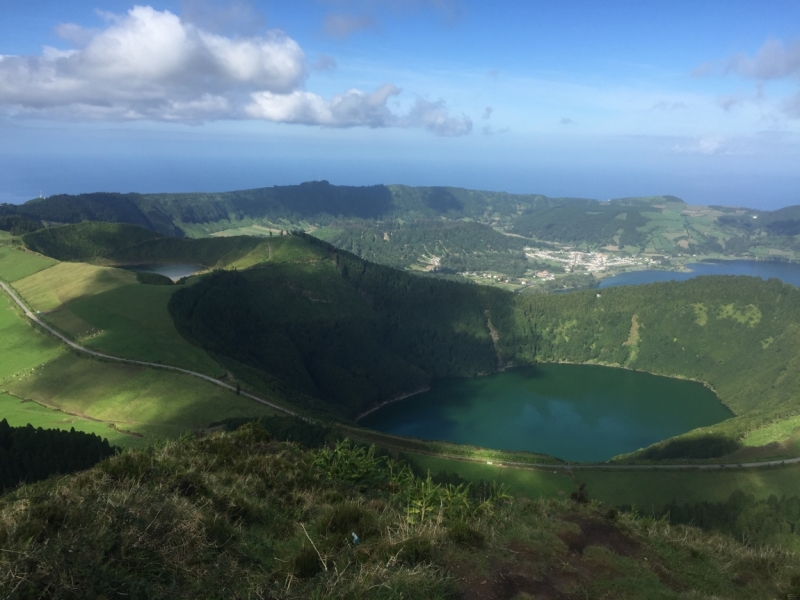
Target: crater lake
x=583, y=413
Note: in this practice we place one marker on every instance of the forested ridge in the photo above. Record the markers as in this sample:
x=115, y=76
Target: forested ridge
x=352, y=333
x=658, y=224
x=339, y=334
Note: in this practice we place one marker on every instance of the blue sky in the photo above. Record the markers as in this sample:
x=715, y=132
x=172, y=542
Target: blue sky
x=696, y=99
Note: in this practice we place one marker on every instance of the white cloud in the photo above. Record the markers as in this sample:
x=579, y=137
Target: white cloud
x=434, y=117
x=150, y=64
x=355, y=108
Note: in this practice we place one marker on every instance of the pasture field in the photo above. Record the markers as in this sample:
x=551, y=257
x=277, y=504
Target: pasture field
x=16, y=264
x=50, y=288
x=19, y=413
x=22, y=348
x=95, y=394
x=153, y=403
x=132, y=321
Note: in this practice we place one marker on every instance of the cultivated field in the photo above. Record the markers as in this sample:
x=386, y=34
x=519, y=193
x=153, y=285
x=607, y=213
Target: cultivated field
x=16, y=264
x=63, y=282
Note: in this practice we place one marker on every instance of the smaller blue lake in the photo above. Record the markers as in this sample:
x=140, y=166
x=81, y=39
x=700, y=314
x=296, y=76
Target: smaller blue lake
x=785, y=271
x=174, y=271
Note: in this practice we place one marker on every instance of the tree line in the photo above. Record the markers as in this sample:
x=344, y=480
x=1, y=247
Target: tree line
x=29, y=454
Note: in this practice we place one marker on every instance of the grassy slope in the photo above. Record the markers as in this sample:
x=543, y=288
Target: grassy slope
x=16, y=264
x=134, y=323
x=23, y=348
x=19, y=413
x=64, y=282
x=154, y=403
x=234, y=515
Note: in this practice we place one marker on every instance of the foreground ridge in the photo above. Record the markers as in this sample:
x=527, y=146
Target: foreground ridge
x=242, y=515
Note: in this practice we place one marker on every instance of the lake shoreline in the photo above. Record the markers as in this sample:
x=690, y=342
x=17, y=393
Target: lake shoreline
x=504, y=369
x=558, y=408
x=392, y=401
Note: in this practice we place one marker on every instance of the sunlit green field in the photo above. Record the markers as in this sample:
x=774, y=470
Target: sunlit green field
x=16, y=264
x=132, y=321
x=653, y=489
x=153, y=403
x=50, y=288
x=19, y=413
x=156, y=404
x=22, y=348
x=776, y=432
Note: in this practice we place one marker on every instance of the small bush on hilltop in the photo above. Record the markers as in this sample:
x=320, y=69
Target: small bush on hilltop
x=240, y=515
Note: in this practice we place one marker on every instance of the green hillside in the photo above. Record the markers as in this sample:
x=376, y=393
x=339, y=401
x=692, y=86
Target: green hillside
x=240, y=515
x=453, y=229
x=295, y=317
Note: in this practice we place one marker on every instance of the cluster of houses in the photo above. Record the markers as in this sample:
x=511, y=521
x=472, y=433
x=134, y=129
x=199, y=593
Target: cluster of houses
x=586, y=261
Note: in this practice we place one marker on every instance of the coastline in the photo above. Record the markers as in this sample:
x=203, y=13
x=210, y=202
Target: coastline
x=396, y=399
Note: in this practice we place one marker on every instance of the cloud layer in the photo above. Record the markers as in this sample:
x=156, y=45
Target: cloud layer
x=150, y=64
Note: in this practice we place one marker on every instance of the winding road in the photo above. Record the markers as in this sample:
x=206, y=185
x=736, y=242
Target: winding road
x=728, y=466
x=32, y=316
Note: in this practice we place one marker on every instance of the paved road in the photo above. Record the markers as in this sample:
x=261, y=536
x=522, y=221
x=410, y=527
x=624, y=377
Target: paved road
x=78, y=347
x=32, y=316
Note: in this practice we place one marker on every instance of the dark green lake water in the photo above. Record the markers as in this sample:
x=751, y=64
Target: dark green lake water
x=575, y=412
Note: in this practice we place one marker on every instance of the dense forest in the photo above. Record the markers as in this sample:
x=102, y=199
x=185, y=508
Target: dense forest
x=29, y=454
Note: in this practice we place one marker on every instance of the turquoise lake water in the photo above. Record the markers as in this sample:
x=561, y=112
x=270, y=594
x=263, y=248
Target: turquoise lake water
x=576, y=412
